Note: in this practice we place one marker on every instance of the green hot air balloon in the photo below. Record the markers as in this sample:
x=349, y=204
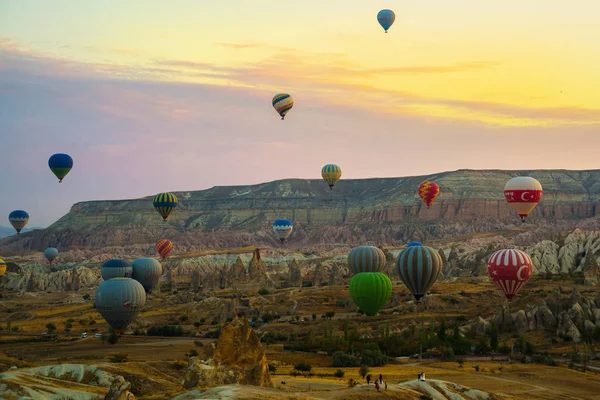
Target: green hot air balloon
x=419, y=267
x=370, y=291
x=116, y=268
x=147, y=271
x=119, y=300
x=366, y=259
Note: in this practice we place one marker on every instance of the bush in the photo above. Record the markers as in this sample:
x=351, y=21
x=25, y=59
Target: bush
x=165, y=330
x=314, y=317
x=476, y=367
x=198, y=343
x=373, y=358
x=118, y=358
x=342, y=359
x=272, y=368
x=86, y=296
x=192, y=353
x=179, y=364
x=460, y=361
x=183, y=318
x=340, y=303
x=197, y=324
x=202, y=320
x=448, y=354
x=263, y=292
x=339, y=373
x=303, y=367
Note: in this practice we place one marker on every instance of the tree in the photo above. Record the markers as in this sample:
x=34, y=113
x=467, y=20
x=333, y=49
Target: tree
x=330, y=314
x=51, y=327
x=197, y=324
x=303, y=367
x=442, y=331
x=363, y=371
x=314, y=317
x=86, y=296
x=493, y=332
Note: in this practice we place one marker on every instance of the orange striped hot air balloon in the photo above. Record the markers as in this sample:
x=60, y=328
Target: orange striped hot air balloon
x=164, y=247
x=428, y=192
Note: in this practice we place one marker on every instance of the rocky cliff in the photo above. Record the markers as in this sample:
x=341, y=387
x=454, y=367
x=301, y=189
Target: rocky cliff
x=356, y=211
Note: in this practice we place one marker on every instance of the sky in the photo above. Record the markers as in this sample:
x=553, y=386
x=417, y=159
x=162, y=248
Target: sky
x=150, y=96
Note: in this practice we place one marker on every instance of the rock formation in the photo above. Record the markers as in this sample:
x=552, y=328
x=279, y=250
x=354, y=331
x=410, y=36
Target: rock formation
x=119, y=390
x=70, y=279
x=294, y=275
x=257, y=271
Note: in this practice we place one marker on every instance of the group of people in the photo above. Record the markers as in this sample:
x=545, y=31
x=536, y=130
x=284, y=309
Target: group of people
x=421, y=376
x=378, y=382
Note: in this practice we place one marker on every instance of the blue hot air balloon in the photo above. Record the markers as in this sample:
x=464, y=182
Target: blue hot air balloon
x=50, y=253
x=283, y=229
x=60, y=164
x=18, y=219
x=146, y=271
x=413, y=244
x=386, y=18
x=116, y=268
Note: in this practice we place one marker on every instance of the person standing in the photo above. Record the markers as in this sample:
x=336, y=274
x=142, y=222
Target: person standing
x=369, y=379
x=380, y=379
x=377, y=385
x=386, y=386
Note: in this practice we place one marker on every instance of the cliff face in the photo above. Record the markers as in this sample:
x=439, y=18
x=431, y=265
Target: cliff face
x=384, y=210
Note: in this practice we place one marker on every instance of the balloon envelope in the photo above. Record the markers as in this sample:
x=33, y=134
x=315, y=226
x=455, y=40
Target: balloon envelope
x=428, y=192
x=283, y=229
x=412, y=244
x=282, y=103
x=146, y=271
x=164, y=247
x=419, y=267
x=60, y=164
x=370, y=291
x=165, y=203
x=116, y=268
x=50, y=253
x=386, y=18
x=331, y=173
x=523, y=193
x=510, y=270
x=119, y=301
x=18, y=219
x=366, y=259
x=2, y=267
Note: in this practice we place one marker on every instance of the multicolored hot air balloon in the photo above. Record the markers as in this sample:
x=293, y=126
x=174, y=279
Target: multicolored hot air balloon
x=164, y=247
x=386, y=18
x=119, y=300
x=18, y=219
x=2, y=267
x=419, y=267
x=147, y=271
x=370, y=291
x=50, y=253
x=523, y=193
x=165, y=203
x=283, y=103
x=331, y=173
x=428, y=192
x=510, y=270
x=366, y=259
x=116, y=268
x=60, y=164
x=283, y=229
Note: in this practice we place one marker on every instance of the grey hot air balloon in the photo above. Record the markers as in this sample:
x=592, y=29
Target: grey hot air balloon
x=116, y=268
x=366, y=259
x=419, y=267
x=119, y=300
x=146, y=271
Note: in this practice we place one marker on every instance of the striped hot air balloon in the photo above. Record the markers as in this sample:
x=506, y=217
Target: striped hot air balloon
x=510, y=270
x=370, y=291
x=331, y=173
x=164, y=247
x=2, y=267
x=366, y=259
x=119, y=300
x=419, y=267
x=283, y=229
x=523, y=193
x=428, y=192
x=282, y=103
x=116, y=268
x=165, y=203
x=18, y=219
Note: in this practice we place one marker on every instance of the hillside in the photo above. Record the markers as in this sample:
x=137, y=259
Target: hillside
x=378, y=210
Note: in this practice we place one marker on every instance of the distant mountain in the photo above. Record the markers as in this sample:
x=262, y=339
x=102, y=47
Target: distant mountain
x=356, y=211
x=6, y=231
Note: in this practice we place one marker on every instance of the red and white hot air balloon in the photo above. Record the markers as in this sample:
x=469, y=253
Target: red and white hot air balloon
x=523, y=193
x=510, y=270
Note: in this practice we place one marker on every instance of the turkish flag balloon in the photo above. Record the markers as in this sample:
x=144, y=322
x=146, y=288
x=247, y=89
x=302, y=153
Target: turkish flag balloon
x=510, y=269
x=523, y=193
x=428, y=191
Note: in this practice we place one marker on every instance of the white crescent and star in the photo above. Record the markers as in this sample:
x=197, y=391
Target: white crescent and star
x=521, y=269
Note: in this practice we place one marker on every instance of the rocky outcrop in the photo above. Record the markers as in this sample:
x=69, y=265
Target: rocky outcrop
x=119, y=390
x=257, y=271
x=239, y=358
x=294, y=274
x=76, y=278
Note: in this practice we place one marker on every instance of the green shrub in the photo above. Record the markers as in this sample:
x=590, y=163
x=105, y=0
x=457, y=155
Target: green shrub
x=303, y=367
x=118, y=358
x=339, y=373
x=476, y=367
x=263, y=292
x=272, y=368
x=342, y=359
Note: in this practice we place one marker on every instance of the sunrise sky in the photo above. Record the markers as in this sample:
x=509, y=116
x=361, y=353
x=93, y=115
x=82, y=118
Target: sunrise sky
x=150, y=96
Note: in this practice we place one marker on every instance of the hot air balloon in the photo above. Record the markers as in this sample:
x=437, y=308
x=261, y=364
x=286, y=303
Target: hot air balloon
x=283, y=103
x=386, y=18
x=50, y=253
x=412, y=244
x=18, y=219
x=60, y=164
x=119, y=300
x=2, y=267
x=164, y=247
x=165, y=203
x=146, y=271
x=331, y=173
x=510, y=270
x=283, y=229
x=428, y=192
x=419, y=267
x=366, y=259
x=370, y=291
x=523, y=193
x=116, y=268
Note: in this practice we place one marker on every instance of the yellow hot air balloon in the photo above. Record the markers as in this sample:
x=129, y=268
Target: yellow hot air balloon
x=331, y=173
x=2, y=267
x=282, y=103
